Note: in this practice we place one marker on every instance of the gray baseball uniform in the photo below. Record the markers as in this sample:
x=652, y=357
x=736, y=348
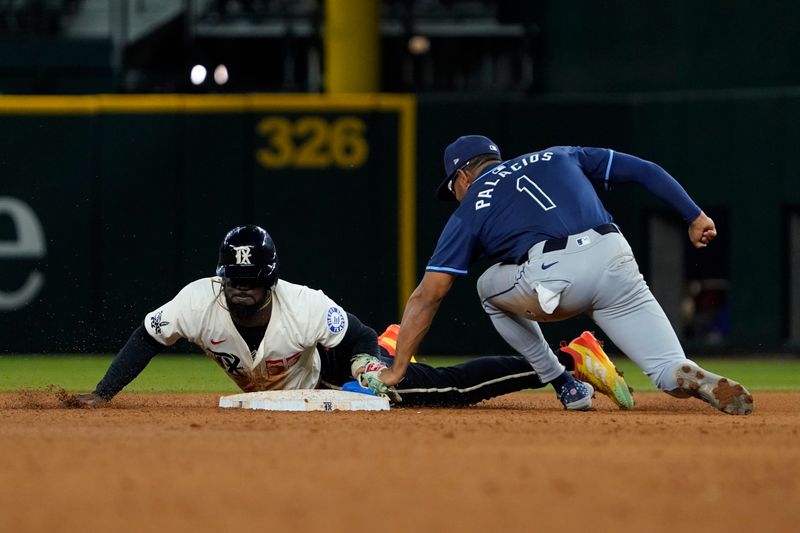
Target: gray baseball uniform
x=561, y=255
x=594, y=273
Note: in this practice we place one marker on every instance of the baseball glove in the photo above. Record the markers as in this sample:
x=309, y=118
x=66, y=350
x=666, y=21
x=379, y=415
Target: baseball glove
x=367, y=369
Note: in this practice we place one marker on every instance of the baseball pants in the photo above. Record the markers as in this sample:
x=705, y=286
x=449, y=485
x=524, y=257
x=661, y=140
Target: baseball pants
x=453, y=386
x=595, y=274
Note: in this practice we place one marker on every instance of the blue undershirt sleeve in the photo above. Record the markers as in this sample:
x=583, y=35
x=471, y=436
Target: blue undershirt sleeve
x=129, y=363
x=628, y=168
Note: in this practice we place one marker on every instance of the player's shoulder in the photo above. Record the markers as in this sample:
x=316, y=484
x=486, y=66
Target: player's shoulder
x=289, y=289
x=579, y=150
x=294, y=292
x=542, y=155
x=203, y=286
x=583, y=156
x=303, y=307
x=200, y=292
x=560, y=150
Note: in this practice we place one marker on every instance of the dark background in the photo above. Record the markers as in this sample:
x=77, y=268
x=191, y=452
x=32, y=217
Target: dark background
x=133, y=205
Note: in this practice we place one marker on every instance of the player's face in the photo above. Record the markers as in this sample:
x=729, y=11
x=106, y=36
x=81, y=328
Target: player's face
x=245, y=298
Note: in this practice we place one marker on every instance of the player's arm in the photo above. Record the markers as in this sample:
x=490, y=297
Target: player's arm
x=612, y=167
x=609, y=166
x=129, y=363
x=358, y=339
x=417, y=318
x=658, y=181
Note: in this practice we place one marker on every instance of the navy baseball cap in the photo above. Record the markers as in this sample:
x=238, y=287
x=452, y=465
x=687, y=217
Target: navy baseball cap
x=456, y=156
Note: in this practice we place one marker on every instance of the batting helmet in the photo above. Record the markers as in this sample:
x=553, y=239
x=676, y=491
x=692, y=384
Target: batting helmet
x=247, y=252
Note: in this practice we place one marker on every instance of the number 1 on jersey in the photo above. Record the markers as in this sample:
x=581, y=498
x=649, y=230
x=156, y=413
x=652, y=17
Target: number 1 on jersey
x=535, y=192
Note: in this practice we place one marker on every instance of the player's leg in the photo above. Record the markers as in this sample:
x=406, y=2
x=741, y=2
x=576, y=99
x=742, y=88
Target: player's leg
x=505, y=301
x=642, y=331
x=626, y=310
x=455, y=386
x=507, y=298
x=583, y=357
x=629, y=314
x=465, y=384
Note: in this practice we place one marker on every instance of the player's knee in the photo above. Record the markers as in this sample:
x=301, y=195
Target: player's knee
x=485, y=283
x=487, y=304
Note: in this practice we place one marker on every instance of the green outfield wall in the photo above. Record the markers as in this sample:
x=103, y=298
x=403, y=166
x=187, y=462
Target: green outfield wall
x=110, y=204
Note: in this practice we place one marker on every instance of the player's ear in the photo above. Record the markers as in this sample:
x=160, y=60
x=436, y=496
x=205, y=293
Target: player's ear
x=468, y=177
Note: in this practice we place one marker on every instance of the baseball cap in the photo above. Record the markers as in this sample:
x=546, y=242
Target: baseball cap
x=456, y=156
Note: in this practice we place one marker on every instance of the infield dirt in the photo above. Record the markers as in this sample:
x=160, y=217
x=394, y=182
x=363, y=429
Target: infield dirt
x=154, y=462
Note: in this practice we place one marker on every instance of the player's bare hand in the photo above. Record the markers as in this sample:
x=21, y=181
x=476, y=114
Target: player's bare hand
x=89, y=400
x=390, y=377
x=702, y=231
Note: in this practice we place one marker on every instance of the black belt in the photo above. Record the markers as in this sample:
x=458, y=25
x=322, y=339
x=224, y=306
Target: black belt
x=552, y=245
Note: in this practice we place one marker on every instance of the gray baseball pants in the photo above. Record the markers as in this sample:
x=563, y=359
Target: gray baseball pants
x=594, y=274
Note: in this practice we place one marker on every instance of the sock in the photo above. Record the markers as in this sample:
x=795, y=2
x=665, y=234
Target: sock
x=566, y=360
x=561, y=380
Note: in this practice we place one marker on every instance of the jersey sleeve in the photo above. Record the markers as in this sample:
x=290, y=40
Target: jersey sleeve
x=628, y=168
x=608, y=166
x=455, y=249
x=595, y=162
x=327, y=321
x=175, y=319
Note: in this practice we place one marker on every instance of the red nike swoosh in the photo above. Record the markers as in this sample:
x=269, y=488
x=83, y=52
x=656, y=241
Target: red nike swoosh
x=217, y=342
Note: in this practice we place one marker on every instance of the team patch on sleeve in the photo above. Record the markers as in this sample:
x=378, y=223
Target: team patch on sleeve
x=336, y=320
x=156, y=323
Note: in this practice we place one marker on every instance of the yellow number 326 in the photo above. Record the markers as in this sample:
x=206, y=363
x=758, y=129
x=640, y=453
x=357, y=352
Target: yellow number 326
x=312, y=142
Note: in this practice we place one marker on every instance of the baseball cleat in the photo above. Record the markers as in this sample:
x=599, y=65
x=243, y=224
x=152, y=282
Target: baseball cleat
x=575, y=395
x=388, y=340
x=592, y=365
x=721, y=392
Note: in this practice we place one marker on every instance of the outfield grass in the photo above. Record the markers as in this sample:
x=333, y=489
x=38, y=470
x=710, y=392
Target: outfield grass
x=196, y=373
x=165, y=373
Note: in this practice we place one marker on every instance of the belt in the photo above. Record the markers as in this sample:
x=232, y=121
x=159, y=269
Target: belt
x=553, y=245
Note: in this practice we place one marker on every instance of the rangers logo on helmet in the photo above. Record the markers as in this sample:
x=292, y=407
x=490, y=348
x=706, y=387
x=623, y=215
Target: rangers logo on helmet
x=243, y=254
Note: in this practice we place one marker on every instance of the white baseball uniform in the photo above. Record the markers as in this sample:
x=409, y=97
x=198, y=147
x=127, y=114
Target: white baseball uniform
x=287, y=357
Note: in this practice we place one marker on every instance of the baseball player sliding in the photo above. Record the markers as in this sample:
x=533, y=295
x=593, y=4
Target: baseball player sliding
x=559, y=254
x=269, y=334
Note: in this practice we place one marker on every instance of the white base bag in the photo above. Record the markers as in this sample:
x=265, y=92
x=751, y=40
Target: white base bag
x=305, y=400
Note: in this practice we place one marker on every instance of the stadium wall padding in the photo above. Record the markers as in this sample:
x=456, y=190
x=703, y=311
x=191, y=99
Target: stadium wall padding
x=133, y=204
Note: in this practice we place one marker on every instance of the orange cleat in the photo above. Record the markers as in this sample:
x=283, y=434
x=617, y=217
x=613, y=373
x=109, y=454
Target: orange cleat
x=388, y=340
x=593, y=366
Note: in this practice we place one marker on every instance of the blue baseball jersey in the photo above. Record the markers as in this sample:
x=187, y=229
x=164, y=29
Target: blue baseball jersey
x=542, y=195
